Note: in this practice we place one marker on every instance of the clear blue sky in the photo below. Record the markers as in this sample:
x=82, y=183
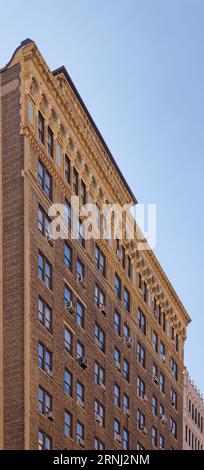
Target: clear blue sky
x=139, y=66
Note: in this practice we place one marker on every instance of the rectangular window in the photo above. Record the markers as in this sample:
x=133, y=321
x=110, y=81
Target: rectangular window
x=98, y=444
x=67, y=295
x=155, y=341
x=59, y=154
x=80, y=393
x=154, y=436
x=43, y=223
x=117, y=357
x=99, y=374
x=41, y=128
x=117, y=323
x=83, y=193
x=80, y=233
x=80, y=270
x=140, y=420
x=123, y=256
x=68, y=256
x=80, y=350
x=145, y=292
x=126, y=402
x=155, y=307
x=177, y=343
x=68, y=383
x=162, y=383
x=80, y=314
x=44, y=358
x=68, y=424
x=45, y=314
x=100, y=260
x=173, y=427
x=44, y=180
x=99, y=337
x=129, y=266
x=164, y=322
x=126, y=370
x=45, y=270
x=68, y=214
x=79, y=431
x=141, y=354
x=99, y=297
x=117, y=395
x=162, y=350
x=44, y=402
x=139, y=281
x=117, y=286
x=154, y=405
x=67, y=169
x=50, y=142
x=142, y=321
x=68, y=341
x=44, y=441
x=174, y=368
x=161, y=441
x=161, y=410
x=173, y=398
x=125, y=439
x=31, y=111
x=140, y=387
x=116, y=425
x=126, y=299
x=75, y=182
x=100, y=411
x=126, y=332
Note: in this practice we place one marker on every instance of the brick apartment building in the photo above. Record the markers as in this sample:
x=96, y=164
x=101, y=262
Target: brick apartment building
x=91, y=332
x=193, y=416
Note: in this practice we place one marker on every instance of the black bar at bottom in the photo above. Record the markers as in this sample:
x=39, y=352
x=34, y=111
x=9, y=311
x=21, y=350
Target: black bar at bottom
x=88, y=459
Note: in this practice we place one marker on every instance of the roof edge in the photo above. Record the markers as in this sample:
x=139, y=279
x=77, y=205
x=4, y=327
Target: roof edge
x=23, y=43
x=63, y=70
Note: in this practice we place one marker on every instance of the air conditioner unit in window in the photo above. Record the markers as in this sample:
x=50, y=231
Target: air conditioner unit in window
x=163, y=419
x=49, y=415
x=99, y=419
x=172, y=401
x=80, y=441
x=144, y=398
x=82, y=361
x=128, y=342
x=80, y=403
x=81, y=281
x=118, y=438
x=70, y=307
x=117, y=365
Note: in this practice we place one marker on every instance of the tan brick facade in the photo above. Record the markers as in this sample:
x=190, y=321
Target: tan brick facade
x=27, y=77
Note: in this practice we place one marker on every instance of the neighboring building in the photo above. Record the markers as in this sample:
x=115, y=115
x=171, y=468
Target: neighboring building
x=91, y=332
x=193, y=416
